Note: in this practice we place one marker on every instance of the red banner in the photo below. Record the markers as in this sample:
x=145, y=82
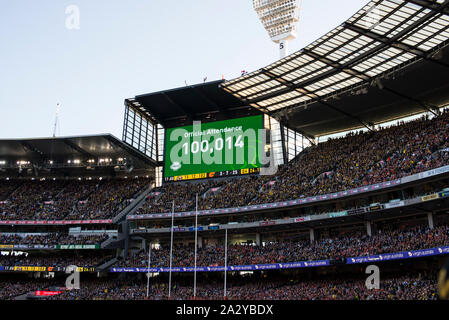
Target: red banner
x=46, y=293
x=57, y=222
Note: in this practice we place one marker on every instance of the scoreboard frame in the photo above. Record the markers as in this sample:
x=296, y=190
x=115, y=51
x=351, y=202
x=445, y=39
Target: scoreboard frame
x=211, y=174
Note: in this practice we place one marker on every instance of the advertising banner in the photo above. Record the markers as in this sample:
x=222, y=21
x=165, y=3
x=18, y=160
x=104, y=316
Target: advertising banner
x=399, y=255
x=303, y=264
x=43, y=269
x=46, y=293
x=77, y=246
x=444, y=194
x=395, y=204
x=53, y=222
x=338, y=214
x=267, y=223
x=430, y=197
x=275, y=266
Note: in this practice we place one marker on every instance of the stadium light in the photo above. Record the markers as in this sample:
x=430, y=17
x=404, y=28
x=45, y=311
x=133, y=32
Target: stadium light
x=279, y=18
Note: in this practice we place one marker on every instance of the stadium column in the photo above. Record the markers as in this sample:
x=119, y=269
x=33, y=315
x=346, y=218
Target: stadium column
x=403, y=194
x=125, y=231
x=368, y=228
x=200, y=242
x=430, y=219
x=284, y=151
x=312, y=235
x=258, y=239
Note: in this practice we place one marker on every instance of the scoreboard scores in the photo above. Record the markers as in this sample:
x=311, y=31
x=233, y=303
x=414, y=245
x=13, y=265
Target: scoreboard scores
x=213, y=150
x=210, y=175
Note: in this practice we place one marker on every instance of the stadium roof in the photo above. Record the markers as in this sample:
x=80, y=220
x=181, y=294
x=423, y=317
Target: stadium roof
x=177, y=107
x=356, y=74
x=41, y=150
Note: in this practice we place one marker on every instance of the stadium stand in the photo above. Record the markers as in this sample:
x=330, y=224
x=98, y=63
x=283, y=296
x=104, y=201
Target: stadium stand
x=52, y=239
x=351, y=244
x=336, y=165
x=412, y=285
x=56, y=260
x=11, y=289
x=69, y=200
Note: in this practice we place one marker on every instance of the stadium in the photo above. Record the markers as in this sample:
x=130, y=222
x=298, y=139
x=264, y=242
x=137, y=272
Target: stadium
x=351, y=174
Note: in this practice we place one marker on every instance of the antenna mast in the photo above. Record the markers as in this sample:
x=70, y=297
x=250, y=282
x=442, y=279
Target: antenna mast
x=58, y=108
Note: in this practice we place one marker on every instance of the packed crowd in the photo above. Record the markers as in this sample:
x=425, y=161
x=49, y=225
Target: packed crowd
x=410, y=286
x=354, y=244
x=334, y=207
x=356, y=160
x=67, y=199
x=7, y=187
x=10, y=289
x=52, y=239
x=61, y=260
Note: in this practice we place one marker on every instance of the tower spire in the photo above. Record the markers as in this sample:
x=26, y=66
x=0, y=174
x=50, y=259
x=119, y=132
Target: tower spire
x=58, y=108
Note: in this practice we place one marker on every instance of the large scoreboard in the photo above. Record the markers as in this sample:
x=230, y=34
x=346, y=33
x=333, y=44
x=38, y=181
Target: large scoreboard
x=215, y=149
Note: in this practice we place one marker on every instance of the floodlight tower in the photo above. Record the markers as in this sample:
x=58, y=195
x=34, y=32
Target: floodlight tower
x=279, y=17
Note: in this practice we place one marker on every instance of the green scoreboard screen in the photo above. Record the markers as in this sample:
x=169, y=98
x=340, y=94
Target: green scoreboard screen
x=214, y=149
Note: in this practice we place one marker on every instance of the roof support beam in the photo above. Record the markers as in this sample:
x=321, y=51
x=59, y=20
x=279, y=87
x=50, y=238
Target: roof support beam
x=28, y=147
x=308, y=51
x=147, y=115
x=286, y=61
x=395, y=44
x=385, y=42
x=423, y=105
x=288, y=83
x=354, y=61
x=336, y=65
x=312, y=95
x=430, y=5
x=130, y=149
x=363, y=123
x=328, y=62
x=78, y=149
x=210, y=101
x=187, y=113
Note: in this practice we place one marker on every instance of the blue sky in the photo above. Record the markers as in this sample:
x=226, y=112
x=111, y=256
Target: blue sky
x=126, y=48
